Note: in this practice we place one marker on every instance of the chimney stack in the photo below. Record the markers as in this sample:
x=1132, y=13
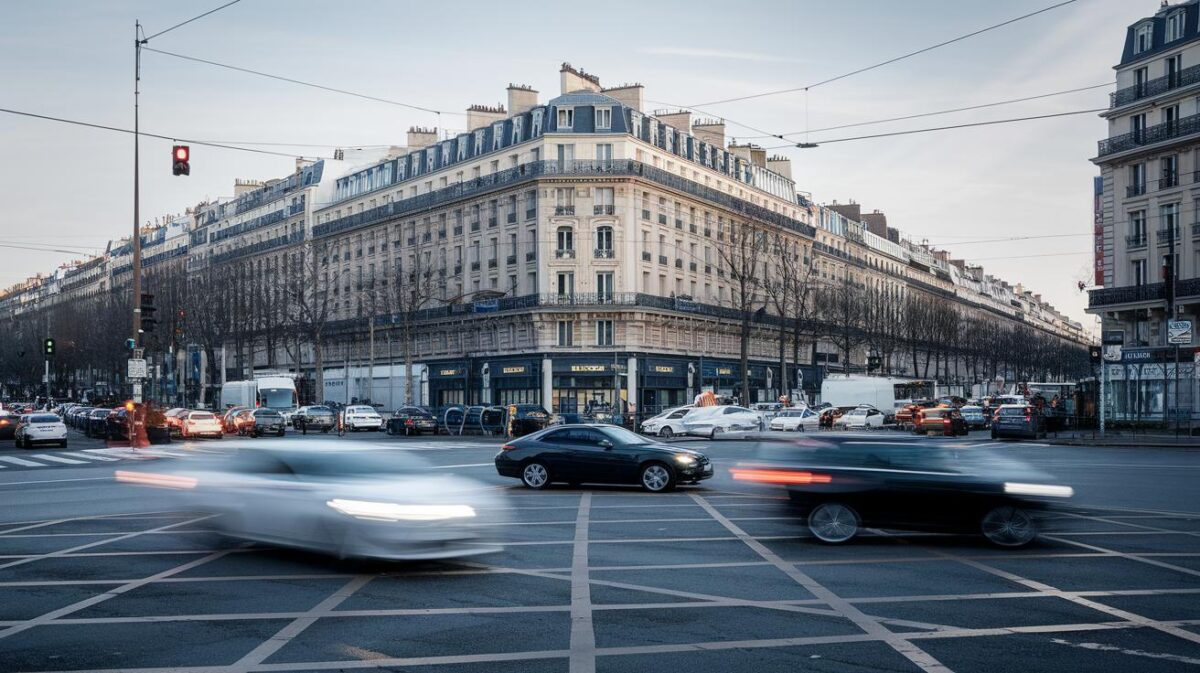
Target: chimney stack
x=781, y=165
x=419, y=136
x=521, y=98
x=575, y=79
x=711, y=131
x=479, y=116
x=630, y=95
x=680, y=119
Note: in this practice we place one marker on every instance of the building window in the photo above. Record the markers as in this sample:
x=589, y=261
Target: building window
x=497, y=135
x=604, y=332
x=566, y=333
x=603, y=118
x=604, y=285
x=516, y=129
x=604, y=241
x=604, y=152
x=1143, y=37
x=565, y=284
x=566, y=119
x=566, y=239
x=603, y=202
x=1137, y=180
x=1174, y=26
x=536, y=125
x=1168, y=175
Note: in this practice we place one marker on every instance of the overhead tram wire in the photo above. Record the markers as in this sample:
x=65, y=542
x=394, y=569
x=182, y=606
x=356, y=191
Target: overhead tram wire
x=291, y=80
x=194, y=18
x=938, y=112
x=891, y=60
x=76, y=122
x=945, y=128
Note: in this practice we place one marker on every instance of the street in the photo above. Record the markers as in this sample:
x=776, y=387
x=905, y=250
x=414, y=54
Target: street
x=96, y=575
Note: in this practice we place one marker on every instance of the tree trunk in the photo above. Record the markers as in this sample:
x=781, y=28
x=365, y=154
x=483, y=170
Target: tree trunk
x=745, y=358
x=318, y=371
x=408, y=363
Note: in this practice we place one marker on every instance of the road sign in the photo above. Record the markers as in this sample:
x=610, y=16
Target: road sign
x=1179, y=332
x=138, y=353
x=137, y=369
x=137, y=393
x=1112, y=353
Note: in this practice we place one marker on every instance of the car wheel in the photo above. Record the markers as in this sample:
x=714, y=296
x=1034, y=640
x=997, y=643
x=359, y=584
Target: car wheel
x=666, y=432
x=63, y=444
x=279, y=434
x=715, y=433
x=325, y=430
x=1008, y=526
x=657, y=478
x=535, y=476
x=994, y=436
x=833, y=522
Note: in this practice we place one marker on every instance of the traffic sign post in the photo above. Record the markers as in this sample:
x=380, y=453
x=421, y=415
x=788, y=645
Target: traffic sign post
x=137, y=369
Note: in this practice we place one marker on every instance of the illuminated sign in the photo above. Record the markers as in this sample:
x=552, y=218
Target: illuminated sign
x=514, y=370
x=450, y=372
x=724, y=371
x=587, y=368
x=663, y=369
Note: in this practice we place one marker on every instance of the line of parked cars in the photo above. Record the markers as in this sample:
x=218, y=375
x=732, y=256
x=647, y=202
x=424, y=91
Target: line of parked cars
x=109, y=423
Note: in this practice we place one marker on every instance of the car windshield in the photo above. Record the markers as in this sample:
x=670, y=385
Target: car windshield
x=44, y=418
x=623, y=436
x=268, y=415
x=858, y=412
x=200, y=416
x=277, y=398
x=792, y=414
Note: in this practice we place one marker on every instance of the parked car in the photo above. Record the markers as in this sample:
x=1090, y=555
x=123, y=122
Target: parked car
x=906, y=413
x=830, y=415
x=767, y=410
x=40, y=429
x=712, y=421
x=862, y=417
x=361, y=417
x=841, y=487
x=229, y=420
x=116, y=424
x=175, y=418
x=975, y=417
x=668, y=423
x=265, y=422
x=8, y=424
x=316, y=417
x=946, y=421
x=528, y=419
x=201, y=424
x=77, y=418
x=411, y=421
x=802, y=420
x=600, y=454
x=97, y=422
x=1018, y=420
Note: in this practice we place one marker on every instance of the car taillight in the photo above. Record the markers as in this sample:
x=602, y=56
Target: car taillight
x=508, y=447
x=1028, y=418
x=408, y=421
x=945, y=421
x=763, y=476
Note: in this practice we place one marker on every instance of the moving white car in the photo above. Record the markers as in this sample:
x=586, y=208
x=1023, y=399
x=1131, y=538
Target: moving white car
x=862, y=417
x=667, y=424
x=40, y=429
x=201, y=424
x=791, y=420
x=361, y=417
x=712, y=421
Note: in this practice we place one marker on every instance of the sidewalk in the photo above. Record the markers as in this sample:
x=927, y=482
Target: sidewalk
x=1124, y=438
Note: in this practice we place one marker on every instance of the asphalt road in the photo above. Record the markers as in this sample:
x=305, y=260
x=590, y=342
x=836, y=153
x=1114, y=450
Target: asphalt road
x=96, y=575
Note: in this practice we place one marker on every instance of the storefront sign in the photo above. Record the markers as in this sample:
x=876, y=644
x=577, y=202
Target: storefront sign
x=589, y=368
x=449, y=372
x=514, y=370
x=724, y=371
x=664, y=369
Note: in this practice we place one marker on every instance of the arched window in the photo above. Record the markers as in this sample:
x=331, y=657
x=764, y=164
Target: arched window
x=566, y=238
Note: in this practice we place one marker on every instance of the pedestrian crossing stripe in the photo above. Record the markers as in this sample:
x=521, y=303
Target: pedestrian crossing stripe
x=59, y=459
x=20, y=461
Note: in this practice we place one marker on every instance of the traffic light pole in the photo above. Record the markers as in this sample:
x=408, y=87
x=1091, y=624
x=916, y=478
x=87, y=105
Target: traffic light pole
x=136, y=296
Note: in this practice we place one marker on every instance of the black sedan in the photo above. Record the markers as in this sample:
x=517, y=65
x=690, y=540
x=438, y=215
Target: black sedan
x=412, y=421
x=599, y=454
x=843, y=486
x=1018, y=420
x=96, y=423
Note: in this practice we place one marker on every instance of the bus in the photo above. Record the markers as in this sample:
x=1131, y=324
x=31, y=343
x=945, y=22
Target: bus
x=270, y=391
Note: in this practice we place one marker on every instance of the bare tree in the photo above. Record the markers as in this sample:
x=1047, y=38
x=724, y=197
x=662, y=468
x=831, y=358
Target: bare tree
x=788, y=288
x=844, y=314
x=415, y=286
x=742, y=259
x=307, y=289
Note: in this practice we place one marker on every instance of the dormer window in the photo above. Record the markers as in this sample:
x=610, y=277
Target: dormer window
x=603, y=118
x=1143, y=37
x=462, y=147
x=445, y=152
x=1175, y=26
x=566, y=119
x=479, y=142
x=516, y=129
x=497, y=135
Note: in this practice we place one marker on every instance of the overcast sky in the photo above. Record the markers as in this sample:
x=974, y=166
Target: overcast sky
x=71, y=188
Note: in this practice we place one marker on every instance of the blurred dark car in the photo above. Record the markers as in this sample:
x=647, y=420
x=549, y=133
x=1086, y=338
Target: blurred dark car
x=259, y=422
x=96, y=424
x=976, y=417
x=940, y=421
x=412, y=421
x=599, y=454
x=314, y=418
x=528, y=419
x=8, y=424
x=1018, y=420
x=116, y=424
x=841, y=487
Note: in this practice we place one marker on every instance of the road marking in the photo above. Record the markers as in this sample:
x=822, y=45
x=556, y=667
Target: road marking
x=447, y=467
x=89, y=456
x=21, y=461
x=59, y=459
x=583, y=634
x=53, y=481
x=870, y=625
x=1100, y=647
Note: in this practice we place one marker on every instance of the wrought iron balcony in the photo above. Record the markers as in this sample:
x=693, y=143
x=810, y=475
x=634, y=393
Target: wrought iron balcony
x=1150, y=135
x=1185, y=77
x=603, y=209
x=1135, y=190
x=531, y=213
x=530, y=256
x=510, y=218
x=1166, y=234
x=564, y=253
x=512, y=259
x=564, y=210
x=1135, y=240
x=474, y=266
x=662, y=259
x=1168, y=180
x=493, y=263
x=603, y=253
x=1131, y=294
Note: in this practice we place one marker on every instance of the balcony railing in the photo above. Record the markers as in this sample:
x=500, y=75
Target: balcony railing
x=474, y=226
x=1135, y=190
x=512, y=259
x=646, y=257
x=531, y=213
x=1166, y=234
x=1168, y=180
x=1185, y=77
x=603, y=210
x=1150, y=135
x=1135, y=241
x=530, y=256
x=492, y=221
x=603, y=253
x=564, y=253
x=474, y=266
x=458, y=230
x=511, y=218
x=564, y=210
x=441, y=234
x=493, y=263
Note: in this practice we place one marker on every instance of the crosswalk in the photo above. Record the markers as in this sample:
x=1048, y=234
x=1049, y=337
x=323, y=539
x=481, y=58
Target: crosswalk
x=84, y=457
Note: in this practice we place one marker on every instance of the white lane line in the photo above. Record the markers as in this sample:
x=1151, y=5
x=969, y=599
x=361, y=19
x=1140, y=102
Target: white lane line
x=583, y=634
x=870, y=625
x=21, y=461
x=447, y=467
x=97, y=543
x=59, y=459
x=1101, y=647
x=53, y=481
x=88, y=456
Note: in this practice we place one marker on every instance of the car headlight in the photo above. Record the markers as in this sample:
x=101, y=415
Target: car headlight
x=1046, y=490
x=684, y=459
x=390, y=511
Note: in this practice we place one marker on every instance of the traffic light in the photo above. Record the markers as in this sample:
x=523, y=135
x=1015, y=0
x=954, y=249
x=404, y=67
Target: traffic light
x=129, y=405
x=130, y=344
x=181, y=158
x=1094, y=354
x=48, y=347
x=147, y=308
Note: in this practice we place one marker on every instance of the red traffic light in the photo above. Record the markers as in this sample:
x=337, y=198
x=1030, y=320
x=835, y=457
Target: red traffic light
x=180, y=156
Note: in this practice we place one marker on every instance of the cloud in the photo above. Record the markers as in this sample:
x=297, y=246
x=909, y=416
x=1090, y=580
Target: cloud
x=716, y=53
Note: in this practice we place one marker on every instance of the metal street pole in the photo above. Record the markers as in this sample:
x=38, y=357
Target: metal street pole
x=137, y=233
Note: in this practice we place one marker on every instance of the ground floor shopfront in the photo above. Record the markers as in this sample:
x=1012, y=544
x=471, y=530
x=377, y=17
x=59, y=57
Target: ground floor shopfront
x=1148, y=386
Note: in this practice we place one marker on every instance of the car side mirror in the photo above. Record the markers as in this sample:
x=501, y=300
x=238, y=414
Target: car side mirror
x=606, y=445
